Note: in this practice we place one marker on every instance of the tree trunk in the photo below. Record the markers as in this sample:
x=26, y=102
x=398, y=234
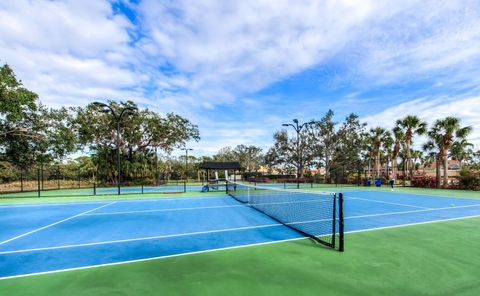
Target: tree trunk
x=437, y=171
x=445, y=169
x=377, y=164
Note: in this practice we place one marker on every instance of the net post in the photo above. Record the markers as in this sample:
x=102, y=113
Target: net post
x=94, y=187
x=341, y=226
x=334, y=220
x=185, y=186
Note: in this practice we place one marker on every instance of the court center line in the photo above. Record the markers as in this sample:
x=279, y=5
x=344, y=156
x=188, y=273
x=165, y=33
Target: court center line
x=234, y=229
x=55, y=223
x=384, y=202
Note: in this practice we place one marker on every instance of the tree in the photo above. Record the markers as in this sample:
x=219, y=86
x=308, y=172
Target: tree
x=29, y=132
x=433, y=147
x=249, y=157
x=448, y=130
x=388, y=145
x=323, y=139
x=141, y=134
x=399, y=137
x=461, y=151
x=350, y=143
x=411, y=126
x=376, y=136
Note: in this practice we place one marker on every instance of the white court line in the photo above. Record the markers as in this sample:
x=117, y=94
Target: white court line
x=230, y=229
x=53, y=224
x=163, y=210
x=385, y=202
x=413, y=211
x=222, y=249
x=143, y=238
x=69, y=203
x=202, y=208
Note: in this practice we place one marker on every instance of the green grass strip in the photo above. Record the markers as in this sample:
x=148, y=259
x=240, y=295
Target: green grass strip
x=430, y=259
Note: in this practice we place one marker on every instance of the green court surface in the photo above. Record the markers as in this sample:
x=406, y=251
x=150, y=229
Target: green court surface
x=440, y=258
x=63, y=198
x=400, y=189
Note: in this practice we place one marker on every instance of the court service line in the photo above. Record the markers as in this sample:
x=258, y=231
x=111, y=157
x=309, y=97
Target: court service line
x=142, y=238
x=202, y=208
x=55, y=223
x=385, y=202
x=163, y=210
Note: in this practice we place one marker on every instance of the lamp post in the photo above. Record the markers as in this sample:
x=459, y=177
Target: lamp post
x=118, y=118
x=186, y=161
x=298, y=128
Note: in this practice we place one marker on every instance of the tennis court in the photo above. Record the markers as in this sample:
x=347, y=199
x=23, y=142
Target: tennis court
x=50, y=237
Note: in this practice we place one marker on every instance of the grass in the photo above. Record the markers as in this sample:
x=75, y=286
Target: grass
x=431, y=259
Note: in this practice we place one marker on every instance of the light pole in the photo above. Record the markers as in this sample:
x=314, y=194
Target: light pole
x=107, y=109
x=186, y=161
x=298, y=128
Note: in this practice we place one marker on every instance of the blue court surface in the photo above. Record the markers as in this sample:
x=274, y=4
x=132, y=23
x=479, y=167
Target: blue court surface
x=40, y=238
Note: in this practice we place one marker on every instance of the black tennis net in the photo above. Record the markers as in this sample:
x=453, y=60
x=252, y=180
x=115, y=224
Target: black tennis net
x=318, y=215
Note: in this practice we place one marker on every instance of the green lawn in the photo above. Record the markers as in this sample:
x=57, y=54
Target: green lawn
x=440, y=258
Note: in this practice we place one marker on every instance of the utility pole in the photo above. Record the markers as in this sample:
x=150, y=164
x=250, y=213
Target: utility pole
x=186, y=161
x=127, y=110
x=298, y=128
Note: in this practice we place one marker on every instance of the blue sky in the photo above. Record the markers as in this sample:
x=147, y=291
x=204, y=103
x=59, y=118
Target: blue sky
x=239, y=69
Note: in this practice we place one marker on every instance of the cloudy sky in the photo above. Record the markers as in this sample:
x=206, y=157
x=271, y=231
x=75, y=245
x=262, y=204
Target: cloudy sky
x=239, y=69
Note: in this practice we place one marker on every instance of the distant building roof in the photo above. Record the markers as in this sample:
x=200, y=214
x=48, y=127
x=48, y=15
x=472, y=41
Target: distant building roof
x=210, y=165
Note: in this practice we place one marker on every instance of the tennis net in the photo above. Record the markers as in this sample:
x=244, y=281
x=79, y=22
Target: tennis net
x=318, y=215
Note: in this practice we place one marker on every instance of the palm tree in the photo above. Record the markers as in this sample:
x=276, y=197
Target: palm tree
x=433, y=149
x=416, y=155
x=387, y=144
x=411, y=126
x=460, y=150
x=448, y=130
x=399, y=138
x=376, y=135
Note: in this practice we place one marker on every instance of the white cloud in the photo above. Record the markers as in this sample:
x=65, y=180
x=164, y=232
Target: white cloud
x=199, y=57
x=431, y=109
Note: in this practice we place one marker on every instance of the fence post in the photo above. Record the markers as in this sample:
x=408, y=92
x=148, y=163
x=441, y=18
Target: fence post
x=58, y=177
x=21, y=180
x=42, y=176
x=38, y=182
